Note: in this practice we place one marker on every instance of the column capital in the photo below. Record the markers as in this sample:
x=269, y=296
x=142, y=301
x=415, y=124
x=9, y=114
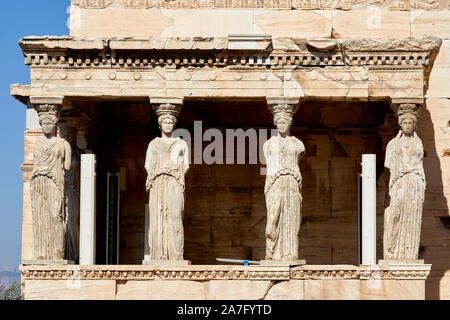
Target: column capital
x=283, y=105
x=55, y=100
x=283, y=100
x=395, y=102
x=47, y=105
x=167, y=106
x=403, y=106
x=166, y=100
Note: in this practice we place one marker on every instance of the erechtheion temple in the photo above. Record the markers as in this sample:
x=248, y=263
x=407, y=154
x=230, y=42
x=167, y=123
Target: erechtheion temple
x=239, y=149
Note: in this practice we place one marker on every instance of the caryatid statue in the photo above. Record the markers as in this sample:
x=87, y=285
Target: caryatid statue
x=167, y=163
x=403, y=214
x=283, y=184
x=68, y=126
x=52, y=157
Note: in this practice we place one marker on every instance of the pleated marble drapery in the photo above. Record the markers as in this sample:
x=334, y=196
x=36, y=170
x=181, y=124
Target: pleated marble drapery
x=403, y=215
x=283, y=197
x=166, y=164
x=48, y=199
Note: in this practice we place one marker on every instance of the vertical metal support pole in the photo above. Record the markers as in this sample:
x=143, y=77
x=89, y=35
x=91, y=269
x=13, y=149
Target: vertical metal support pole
x=369, y=209
x=87, y=209
x=359, y=218
x=112, y=217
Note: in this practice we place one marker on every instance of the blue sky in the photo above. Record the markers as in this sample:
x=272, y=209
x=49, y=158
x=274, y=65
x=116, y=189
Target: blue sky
x=18, y=19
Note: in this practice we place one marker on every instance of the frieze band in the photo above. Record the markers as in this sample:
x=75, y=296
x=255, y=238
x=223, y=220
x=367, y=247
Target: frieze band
x=208, y=273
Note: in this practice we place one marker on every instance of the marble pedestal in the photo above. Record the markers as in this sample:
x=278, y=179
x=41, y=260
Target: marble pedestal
x=224, y=282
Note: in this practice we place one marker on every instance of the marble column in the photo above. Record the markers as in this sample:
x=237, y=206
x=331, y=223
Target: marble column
x=87, y=209
x=283, y=186
x=51, y=160
x=369, y=210
x=166, y=163
x=403, y=210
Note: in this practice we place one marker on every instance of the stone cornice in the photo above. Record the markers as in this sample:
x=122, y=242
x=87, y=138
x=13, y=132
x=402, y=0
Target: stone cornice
x=254, y=4
x=223, y=272
x=20, y=92
x=72, y=52
x=393, y=52
x=427, y=43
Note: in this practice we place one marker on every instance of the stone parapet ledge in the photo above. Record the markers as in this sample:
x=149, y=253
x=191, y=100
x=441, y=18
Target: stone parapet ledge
x=226, y=272
x=426, y=43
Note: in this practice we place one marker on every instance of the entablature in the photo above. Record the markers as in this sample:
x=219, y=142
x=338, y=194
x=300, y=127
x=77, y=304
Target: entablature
x=237, y=66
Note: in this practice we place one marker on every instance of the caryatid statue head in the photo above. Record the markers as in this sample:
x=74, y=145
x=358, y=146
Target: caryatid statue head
x=48, y=119
x=283, y=122
x=407, y=118
x=282, y=117
x=167, y=117
x=167, y=123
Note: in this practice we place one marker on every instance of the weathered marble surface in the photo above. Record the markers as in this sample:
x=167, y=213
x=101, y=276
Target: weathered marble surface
x=352, y=70
x=334, y=224
x=303, y=18
x=225, y=282
x=403, y=214
x=52, y=157
x=283, y=186
x=268, y=4
x=167, y=163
